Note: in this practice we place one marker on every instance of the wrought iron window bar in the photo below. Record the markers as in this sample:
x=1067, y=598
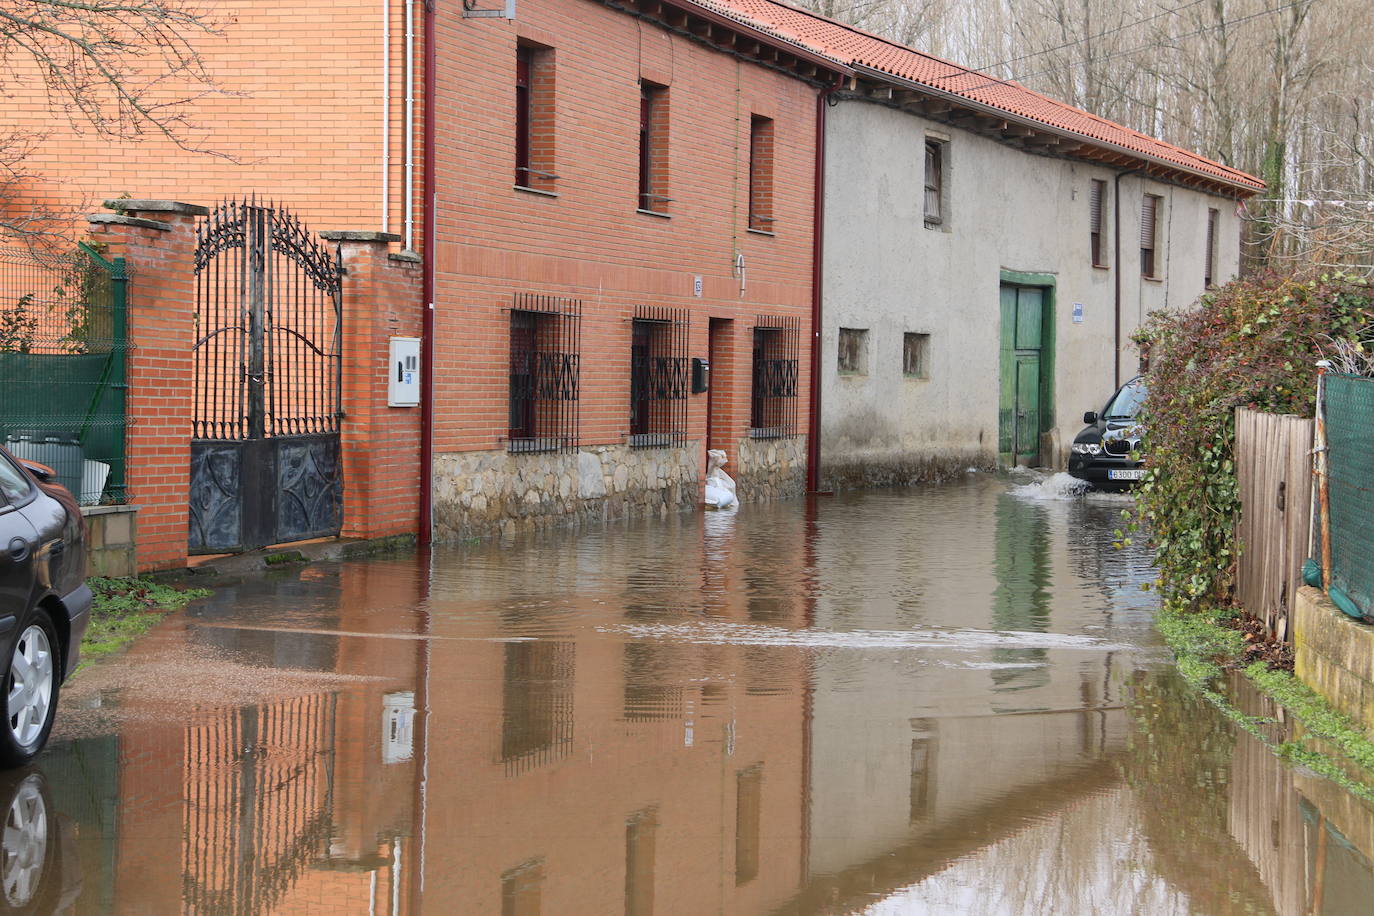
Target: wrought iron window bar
x=545, y=370
x=776, y=373
x=660, y=377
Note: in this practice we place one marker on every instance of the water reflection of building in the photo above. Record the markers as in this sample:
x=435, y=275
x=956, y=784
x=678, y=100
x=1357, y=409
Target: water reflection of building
x=303, y=804
x=592, y=767
x=927, y=755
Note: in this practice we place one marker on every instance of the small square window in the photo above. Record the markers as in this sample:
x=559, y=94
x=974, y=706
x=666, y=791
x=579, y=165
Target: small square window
x=853, y=353
x=916, y=355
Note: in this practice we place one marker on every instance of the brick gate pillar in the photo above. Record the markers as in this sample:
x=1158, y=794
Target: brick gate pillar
x=380, y=444
x=158, y=239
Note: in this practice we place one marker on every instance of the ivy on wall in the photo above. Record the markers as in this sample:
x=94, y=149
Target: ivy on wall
x=1252, y=343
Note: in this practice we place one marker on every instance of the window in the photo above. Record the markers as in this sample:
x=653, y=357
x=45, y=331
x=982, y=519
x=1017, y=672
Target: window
x=935, y=182
x=748, y=823
x=853, y=355
x=14, y=486
x=641, y=835
x=653, y=149
x=534, y=146
x=1209, y=271
x=1149, y=235
x=915, y=355
x=545, y=363
x=1098, y=193
x=773, y=399
x=659, y=377
x=761, y=174
x=521, y=889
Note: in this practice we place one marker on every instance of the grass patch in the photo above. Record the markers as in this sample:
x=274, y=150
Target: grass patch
x=1204, y=647
x=125, y=609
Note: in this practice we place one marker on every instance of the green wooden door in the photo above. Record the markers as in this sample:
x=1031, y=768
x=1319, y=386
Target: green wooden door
x=1023, y=331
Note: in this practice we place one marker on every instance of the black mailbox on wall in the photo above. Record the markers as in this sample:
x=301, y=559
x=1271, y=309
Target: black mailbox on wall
x=701, y=375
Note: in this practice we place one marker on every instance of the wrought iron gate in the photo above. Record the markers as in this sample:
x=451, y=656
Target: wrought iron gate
x=265, y=458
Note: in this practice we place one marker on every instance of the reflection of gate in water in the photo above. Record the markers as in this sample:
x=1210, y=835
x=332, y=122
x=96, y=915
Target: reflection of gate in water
x=259, y=803
x=265, y=462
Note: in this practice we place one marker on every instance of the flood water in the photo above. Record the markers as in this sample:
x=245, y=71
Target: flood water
x=936, y=700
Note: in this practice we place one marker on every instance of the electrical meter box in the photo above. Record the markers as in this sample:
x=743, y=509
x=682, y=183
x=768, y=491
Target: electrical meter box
x=403, y=382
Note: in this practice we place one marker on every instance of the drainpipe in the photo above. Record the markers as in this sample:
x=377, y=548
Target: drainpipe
x=813, y=430
x=386, y=113
x=410, y=122
x=1116, y=231
x=427, y=291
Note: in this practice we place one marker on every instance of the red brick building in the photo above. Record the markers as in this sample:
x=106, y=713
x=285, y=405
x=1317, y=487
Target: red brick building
x=632, y=193
x=624, y=205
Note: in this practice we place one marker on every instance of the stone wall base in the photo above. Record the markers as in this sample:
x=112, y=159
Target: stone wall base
x=1334, y=655
x=478, y=494
x=769, y=469
x=857, y=472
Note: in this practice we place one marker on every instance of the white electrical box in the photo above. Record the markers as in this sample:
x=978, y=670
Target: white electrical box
x=403, y=381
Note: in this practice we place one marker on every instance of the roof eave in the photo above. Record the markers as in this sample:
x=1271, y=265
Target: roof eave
x=762, y=36
x=1242, y=188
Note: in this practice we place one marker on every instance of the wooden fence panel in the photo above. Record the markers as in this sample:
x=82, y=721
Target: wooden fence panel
x=1274, y=471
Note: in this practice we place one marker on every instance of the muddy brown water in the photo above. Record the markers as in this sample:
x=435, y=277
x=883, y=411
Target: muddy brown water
x=936, y=700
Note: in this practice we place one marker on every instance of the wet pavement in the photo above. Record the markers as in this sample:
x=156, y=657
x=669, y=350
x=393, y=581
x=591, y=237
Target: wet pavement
x=937, y=700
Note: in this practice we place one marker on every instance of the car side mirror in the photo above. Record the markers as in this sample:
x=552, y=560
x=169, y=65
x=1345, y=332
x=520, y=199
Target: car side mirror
x=40, y=471
x=1090, y=417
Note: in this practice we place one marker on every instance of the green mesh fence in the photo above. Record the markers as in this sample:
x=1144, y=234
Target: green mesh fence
x=1350, y=464
x=63, y=340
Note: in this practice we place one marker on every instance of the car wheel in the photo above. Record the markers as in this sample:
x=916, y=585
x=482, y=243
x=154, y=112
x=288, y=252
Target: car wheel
x=31, y=686
x=27, y=845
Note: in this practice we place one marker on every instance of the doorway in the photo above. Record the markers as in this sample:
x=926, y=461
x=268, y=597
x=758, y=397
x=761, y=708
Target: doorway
x=720, y=352
x=1027, y=372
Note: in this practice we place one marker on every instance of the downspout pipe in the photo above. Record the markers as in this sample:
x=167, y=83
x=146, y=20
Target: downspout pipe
x=426, y=532
x=1116, y=231
x=813, y=430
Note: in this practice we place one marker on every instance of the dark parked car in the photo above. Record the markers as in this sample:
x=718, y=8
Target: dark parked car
x=44, y=601
x=1107, y=452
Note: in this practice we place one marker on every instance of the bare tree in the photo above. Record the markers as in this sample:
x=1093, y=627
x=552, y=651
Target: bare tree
x=112, y=69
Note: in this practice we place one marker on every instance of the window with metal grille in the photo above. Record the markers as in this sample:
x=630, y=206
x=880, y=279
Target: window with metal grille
x=659, y=377
x=761, y=174
x=653, y=148
x=935, y=182
x=537, y=708
x=1099, y=192
x=534, y=117
x=773, y=401
x=916, y=355
x=1149, y=235
x=545, y=364
x=1210, y=268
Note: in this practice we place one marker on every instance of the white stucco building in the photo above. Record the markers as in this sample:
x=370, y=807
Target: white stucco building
x=987, y=253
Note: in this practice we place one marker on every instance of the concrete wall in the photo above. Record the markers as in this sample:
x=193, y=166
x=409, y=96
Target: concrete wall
x=1334, y=655
x=1005, y=209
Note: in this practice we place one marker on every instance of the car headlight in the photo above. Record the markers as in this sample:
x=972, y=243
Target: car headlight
x=1087, y=448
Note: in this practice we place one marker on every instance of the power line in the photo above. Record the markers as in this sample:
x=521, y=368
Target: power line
x=1078, y=41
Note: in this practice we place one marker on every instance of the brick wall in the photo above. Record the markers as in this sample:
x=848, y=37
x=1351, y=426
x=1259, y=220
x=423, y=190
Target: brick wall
x=381, y=444
x=159, y=245
x=300, y=121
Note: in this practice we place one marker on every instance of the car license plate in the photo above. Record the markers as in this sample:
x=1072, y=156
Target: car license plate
x=1134, y=474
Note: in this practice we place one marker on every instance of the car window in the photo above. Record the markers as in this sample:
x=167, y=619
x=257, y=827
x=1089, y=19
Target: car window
x=14, y=486
x=1126, y=405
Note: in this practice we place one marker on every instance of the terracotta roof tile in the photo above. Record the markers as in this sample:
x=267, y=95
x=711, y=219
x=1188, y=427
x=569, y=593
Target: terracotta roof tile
x=854, y=47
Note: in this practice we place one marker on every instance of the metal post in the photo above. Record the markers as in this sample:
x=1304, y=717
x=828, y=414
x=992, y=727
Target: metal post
x=1320, y=468
x=256, y=231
